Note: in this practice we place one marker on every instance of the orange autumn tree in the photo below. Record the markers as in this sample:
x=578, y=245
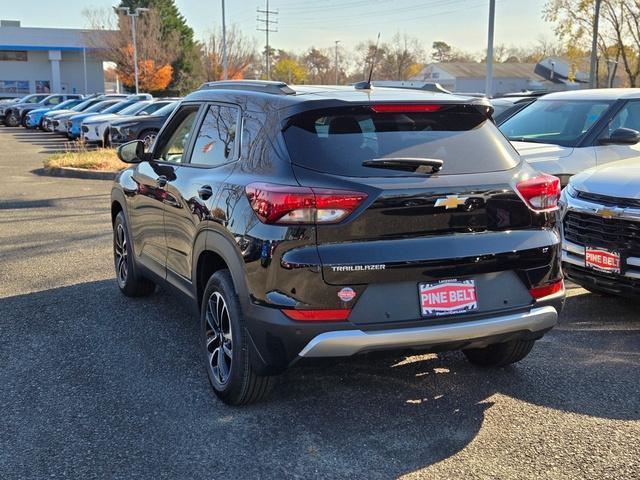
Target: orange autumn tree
x=156, y=50
x=151, y=77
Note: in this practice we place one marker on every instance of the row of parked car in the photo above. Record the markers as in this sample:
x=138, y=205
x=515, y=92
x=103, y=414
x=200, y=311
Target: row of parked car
x=105, y=119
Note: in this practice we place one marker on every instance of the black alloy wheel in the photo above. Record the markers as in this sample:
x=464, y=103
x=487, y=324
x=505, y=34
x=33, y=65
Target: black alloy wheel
x=130, y=282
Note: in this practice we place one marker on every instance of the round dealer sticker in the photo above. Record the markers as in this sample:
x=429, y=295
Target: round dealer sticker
x=347, y=294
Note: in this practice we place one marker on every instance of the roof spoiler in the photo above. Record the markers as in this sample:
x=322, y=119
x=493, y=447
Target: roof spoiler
x=264, y=86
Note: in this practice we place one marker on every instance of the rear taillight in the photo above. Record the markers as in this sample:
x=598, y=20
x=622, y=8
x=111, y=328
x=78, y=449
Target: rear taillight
x=286, y=204
x=546, y=290
x=338, y=315
x=541, y=192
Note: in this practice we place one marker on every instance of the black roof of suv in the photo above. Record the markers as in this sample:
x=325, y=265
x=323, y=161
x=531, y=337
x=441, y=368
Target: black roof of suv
x=309, y=222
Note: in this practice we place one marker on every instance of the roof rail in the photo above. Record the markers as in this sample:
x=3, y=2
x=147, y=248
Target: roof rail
x=274, y=88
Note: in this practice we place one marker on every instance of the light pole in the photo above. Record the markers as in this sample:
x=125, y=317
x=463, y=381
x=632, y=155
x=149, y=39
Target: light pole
x=611, y=68
x=224, y=45
x=593, y=70
x=488, y=89
x=84, y=58
x=134, y=15
x=337, y=42
x=84, y=66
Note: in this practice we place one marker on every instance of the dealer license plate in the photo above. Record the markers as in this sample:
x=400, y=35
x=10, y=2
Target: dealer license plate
x=602, y=260
x=447, y=297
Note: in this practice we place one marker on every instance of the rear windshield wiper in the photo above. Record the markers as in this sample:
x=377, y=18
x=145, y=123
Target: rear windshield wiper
x=411, y=164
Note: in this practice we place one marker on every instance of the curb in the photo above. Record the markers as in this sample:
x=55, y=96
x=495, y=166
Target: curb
x=69, y=172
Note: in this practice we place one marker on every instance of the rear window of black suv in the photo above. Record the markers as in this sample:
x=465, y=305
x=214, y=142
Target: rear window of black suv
x=339, y=140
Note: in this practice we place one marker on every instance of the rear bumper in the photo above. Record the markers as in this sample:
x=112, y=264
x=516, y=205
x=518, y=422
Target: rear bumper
x=350, y=342
x=278, y=342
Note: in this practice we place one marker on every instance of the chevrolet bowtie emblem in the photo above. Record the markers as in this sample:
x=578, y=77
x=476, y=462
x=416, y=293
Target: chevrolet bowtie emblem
x=451, y=201
x=606, y=213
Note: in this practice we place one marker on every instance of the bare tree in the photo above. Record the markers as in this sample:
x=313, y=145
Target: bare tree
x=241, y=54
x=400, y=59
x=156, y=51
x=319, y=66
x=618, y=36
x=404, y=57
x=365, y=55
x=627, y=29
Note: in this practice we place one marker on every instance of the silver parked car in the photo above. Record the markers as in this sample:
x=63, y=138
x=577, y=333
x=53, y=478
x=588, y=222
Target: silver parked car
x=565, y=133
x=601, y=228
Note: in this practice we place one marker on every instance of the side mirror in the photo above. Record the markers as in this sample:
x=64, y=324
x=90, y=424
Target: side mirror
x=132, y=152
x=622, y=136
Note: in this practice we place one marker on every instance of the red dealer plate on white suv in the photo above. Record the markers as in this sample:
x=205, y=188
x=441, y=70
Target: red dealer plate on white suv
x=601, y=259
x=447, y=297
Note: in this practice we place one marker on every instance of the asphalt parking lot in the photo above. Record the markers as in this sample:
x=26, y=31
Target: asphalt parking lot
x=96, y=385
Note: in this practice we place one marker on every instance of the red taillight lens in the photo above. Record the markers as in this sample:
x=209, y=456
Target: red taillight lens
x=546, y=290
x=394, y=108
x=338, y=315
x=541, y=192
x=286, y=204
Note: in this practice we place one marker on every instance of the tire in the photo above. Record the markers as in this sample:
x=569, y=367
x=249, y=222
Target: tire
x=148, y=137
x=105, y=139
x=23, y=121
x=225, y=345
x=129, y=280
x=11, y=120
x=499, y=354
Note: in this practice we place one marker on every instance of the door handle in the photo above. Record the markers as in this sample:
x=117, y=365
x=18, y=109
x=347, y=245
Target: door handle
x=161, y=181
x=205, y=192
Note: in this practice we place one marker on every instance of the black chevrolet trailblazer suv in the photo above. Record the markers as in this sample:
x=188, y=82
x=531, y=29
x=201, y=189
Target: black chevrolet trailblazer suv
x=321, y=221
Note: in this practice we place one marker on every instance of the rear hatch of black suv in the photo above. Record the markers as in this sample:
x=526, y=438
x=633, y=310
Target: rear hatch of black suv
x=422, y=211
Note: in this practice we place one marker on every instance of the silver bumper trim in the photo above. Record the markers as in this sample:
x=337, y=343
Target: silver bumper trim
x=349, y=342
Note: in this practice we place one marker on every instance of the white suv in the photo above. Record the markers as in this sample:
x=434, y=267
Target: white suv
x=567, y=132
x=96, y=129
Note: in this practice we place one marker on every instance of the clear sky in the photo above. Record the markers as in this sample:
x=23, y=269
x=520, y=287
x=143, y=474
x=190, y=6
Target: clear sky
x=302, y=23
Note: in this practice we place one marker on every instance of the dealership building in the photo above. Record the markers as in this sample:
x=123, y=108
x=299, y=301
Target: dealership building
x=43, y=60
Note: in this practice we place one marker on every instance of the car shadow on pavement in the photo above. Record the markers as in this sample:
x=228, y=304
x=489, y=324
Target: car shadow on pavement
x=96, y=382
x=49, y=142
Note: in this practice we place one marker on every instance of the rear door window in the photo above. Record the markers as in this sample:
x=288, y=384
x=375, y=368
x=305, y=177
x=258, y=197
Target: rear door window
x=216, y=141
x=339, y=140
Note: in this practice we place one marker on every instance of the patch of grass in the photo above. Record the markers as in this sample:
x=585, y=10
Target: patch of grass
x=102, y=159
